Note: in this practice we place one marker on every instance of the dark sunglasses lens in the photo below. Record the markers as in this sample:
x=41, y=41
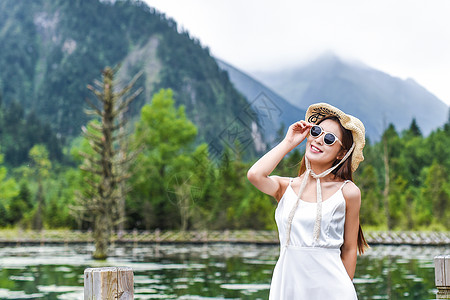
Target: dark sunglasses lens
x=329, y=139
x=316, y=131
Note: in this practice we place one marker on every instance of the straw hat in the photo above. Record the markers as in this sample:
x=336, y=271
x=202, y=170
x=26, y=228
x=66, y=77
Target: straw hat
x=318, y=111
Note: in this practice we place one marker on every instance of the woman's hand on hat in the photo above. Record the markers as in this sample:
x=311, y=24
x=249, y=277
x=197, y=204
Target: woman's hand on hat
x=297, y=132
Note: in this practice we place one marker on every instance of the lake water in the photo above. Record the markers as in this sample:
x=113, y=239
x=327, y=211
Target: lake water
x=214, y=271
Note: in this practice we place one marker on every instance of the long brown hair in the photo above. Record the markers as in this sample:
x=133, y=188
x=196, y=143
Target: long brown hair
x=344, y=171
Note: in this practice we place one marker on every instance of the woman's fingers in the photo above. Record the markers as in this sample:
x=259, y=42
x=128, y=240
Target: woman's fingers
x=301, y=126
x=298, y=131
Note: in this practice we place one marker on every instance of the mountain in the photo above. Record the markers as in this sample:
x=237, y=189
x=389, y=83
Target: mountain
x=51, y=50
x=371, y=95
x=273, y=111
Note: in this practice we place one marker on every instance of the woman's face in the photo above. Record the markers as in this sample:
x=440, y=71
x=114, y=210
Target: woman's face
x=320, y=153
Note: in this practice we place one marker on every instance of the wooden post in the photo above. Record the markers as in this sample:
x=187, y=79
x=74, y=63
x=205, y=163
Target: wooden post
x=442, y=276
x=108, y=283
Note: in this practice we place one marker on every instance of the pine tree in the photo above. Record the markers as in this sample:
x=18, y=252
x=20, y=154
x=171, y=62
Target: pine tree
x=414, y=129
x=105, y=163
x=41, y=167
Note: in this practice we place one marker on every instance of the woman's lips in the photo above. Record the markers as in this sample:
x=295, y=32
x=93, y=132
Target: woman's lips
x=314, y=149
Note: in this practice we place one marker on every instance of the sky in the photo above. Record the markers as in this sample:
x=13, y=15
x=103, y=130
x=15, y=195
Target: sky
x=404, y=38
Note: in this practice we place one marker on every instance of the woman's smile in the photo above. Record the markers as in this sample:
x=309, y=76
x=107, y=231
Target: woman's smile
x=314, y=149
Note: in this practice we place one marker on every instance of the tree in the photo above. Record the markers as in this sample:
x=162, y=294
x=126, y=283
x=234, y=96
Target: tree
x=436, y=147
x=391, y=150
x=436, y=191
x=20, y=204
x=386, y=179
x=8, y=186
x=40, y=169
x=60, y=199
x=8, y=190
x=163, y=170
x=230, y=189
x=204, y=189
x=103, y=163
x=371, y=207
x=397, y=203
x=414, y=129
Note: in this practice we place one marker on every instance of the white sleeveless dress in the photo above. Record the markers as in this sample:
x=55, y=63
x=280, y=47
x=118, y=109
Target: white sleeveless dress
x=306, y=269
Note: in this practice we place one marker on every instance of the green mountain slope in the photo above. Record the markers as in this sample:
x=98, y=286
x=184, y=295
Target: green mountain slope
x=52, y=49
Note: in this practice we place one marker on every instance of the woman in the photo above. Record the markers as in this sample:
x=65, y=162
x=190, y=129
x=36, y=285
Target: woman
x=318, y=211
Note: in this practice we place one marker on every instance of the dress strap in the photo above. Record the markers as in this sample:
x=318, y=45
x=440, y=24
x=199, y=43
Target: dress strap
x=344, y=184
x=290, y=181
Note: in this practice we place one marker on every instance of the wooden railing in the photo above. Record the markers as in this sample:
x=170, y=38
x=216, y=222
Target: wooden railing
x=228, y=236
x=408, y=238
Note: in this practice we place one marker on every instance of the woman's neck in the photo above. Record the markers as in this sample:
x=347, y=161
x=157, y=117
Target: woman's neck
x=319, y=169
x=329, y=177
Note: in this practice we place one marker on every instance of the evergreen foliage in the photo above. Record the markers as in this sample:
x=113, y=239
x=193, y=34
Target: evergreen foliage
x=20, y=131
x=104, y=165
x=39, y=170
x=166, y=137
x=51, y=49
x=177, y=185
x=8, y=191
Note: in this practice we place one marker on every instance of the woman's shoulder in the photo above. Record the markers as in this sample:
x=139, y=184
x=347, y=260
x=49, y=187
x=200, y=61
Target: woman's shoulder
x=352, y=193
x=283, y=184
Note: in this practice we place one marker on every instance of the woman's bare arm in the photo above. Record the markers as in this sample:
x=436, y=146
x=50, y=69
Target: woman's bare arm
x=352, y=196
x=259, y=173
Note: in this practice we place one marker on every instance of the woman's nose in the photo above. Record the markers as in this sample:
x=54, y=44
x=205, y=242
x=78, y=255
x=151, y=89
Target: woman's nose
x=319, y=139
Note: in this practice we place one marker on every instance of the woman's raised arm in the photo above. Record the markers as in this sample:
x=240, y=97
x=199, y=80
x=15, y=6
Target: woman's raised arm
x=259, y=173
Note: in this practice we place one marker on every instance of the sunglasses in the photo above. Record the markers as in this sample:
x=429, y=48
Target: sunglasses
x=329, y=138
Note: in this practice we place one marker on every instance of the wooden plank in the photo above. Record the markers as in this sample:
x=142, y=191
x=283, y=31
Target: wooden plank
x=125, y=288
x=104, y=283
x=108, y=283
x=439, y=268
x=87, y=283
x=442, y=276
x=447, y=271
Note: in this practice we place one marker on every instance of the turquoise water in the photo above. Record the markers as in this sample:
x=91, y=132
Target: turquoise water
x=215, y=271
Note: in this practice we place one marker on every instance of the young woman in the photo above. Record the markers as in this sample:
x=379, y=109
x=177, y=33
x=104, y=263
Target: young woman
x=318, y=211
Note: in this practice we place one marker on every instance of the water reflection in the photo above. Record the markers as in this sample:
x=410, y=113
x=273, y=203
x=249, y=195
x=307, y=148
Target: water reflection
x=216, y=271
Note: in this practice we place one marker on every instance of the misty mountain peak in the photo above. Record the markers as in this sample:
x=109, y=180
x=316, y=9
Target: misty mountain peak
x=369, y=94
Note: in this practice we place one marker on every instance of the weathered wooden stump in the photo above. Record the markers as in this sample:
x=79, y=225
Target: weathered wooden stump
x=108, y=283
x=442, y=276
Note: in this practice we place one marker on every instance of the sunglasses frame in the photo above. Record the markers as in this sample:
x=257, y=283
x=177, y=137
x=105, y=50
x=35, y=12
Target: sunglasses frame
x=325, y=133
